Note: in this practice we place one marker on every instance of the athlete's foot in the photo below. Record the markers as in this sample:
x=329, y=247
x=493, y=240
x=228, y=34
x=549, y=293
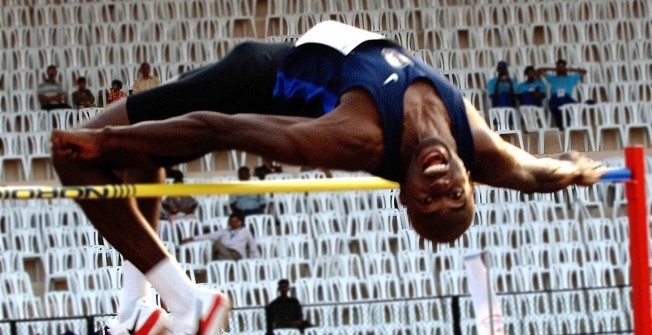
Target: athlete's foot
x=146, y=319
x=208, y=316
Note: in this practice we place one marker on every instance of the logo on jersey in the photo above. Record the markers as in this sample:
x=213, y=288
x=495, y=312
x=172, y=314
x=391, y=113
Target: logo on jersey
x=395, y=59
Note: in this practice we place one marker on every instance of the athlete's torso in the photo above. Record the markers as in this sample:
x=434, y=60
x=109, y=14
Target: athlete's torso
x=321, y=68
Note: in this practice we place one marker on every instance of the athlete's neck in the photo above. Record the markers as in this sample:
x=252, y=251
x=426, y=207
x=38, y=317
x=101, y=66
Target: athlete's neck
x=424, y=116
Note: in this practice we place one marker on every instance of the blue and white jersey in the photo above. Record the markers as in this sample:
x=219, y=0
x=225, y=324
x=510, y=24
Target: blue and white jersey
x=333, y=58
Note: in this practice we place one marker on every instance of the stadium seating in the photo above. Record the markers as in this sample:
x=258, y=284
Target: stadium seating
x=339, y=248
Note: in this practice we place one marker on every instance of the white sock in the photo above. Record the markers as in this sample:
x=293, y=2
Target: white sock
x=134, y=288
x=174, y=287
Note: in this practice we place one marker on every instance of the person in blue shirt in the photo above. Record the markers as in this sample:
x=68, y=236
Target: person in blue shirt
x=562, y=84
x=501, y=88
x=532, y=91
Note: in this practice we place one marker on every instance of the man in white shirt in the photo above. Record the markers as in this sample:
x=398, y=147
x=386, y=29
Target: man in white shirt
x=231, y=243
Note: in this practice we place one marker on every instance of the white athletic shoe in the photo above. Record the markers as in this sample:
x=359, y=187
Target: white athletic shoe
x=147, y=319
x=208, y=317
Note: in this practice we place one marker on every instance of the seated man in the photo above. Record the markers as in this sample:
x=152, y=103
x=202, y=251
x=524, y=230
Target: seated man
x=247, y=204
x=50, y=93
x=83, y=97
x=176, y=207
x=231, y=243
x=501, y=88
x=562, y=84
x=340, y=98
x=284, y=311
x=532, y=91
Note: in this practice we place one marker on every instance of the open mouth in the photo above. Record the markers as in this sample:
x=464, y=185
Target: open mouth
x=434, y=161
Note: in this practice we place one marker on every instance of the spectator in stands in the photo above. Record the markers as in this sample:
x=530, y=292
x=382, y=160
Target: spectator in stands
x=285, y=311
x=178, y=207
x=562, y=84
x=267, y=168
x=83, y=97
x=247, y=204
x=231, y=243
x=51, y=94
x=501, y=88
x=145, y=79
x=532, y=91
x=116, y=92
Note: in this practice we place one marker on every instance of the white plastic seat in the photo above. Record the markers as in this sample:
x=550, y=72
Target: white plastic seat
x=13, y=149
x=261, y=224
x=60, y=304
x=303, y=246
x=379, y=263
x=287, y=203
x=381, y=199
x=184, y=228
x=294, y=224
x=324, y=223
x=345, y=289
x=420, y=284
x=196, y=255
x=322, y=202
x=37, y=147
x=416, y=261
x=57, y=262
x=333, y=243
x=610, y=117
x=221, y=271
x=312, y=290
x=577, y=118
x=535, y=121
x=256, y=270
x=24, y=306
x=57, y=237
x=28, y=242
x=638, y=116
x=506, y=121
x=383, y=286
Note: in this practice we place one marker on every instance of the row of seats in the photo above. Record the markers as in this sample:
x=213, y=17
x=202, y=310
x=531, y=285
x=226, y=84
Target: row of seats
x=591, y=120
x=469, y=69
x=597, y=310
x=457, y=14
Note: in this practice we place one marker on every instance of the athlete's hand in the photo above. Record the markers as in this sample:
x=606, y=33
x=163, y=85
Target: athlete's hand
x=84, y=144
x=584, y=171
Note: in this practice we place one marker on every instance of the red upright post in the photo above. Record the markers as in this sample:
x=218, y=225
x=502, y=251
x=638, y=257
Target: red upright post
x=638, y=241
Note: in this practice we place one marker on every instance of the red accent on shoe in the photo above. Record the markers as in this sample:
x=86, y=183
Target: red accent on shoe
x=211, y=313
x=149, y=324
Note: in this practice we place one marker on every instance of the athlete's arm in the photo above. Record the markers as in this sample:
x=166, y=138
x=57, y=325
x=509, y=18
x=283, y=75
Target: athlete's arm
x=498, y=163
x=346, y=138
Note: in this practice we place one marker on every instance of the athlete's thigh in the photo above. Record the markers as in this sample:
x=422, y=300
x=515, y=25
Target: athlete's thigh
x=241, y=82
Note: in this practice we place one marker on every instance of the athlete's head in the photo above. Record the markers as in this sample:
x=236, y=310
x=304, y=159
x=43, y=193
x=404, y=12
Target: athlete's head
x=437, y=192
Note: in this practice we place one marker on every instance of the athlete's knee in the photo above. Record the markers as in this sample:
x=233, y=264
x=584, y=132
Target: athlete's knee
x=245, y=49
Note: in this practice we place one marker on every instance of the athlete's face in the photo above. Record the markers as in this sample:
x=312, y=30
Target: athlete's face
x=437, y=192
